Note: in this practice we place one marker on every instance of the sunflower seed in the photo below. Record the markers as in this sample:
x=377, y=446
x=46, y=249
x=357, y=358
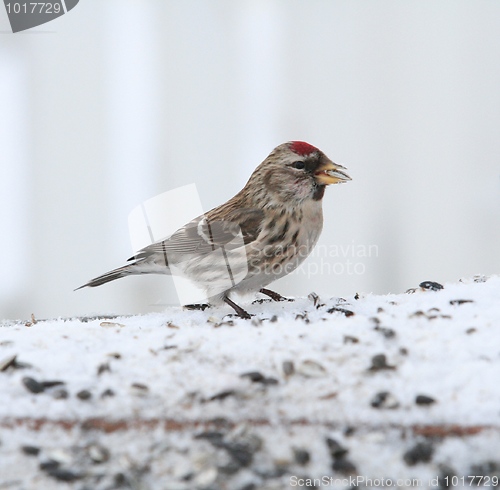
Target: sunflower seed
x=420, y=453
x=431, y=285
x=32, y=385
x=311, y=369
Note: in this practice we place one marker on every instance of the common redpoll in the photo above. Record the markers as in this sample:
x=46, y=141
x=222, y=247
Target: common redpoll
x=260, y=235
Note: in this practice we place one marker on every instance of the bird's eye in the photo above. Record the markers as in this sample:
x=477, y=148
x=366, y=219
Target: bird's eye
x=299, y=165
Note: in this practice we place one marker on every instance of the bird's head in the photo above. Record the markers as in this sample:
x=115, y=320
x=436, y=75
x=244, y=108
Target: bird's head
x=297, y=170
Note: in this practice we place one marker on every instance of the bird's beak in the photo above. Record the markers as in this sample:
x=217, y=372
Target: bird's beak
x=331, y=173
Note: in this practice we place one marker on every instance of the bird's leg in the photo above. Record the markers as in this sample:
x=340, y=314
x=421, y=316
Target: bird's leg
x=238, y=309
x=274, y=296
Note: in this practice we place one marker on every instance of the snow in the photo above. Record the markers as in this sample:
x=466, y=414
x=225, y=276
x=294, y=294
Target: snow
x=187, y=366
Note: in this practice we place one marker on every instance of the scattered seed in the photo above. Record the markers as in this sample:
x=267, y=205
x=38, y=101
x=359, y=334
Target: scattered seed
x=60, y=394
x=107, y=393
x=32, y=385
x=51, y=384
x=349, y=339
x=84, y=395
x=288, y=368
x=257, y=377
x=349, y=431
x=61, y=456
x=242, y=453
x=335, y=449
x=403, y=351
x=168, y=347
x=64, y=475
x=431, y=285
x=201, y=307
x=32, y=322
x=120, y=480
x=111, y=324
x=115, y=355
x=49, y=465
x=315, y=299
x=274, y=319
x=480, y=278
x=98, y=454
x=212, y=436
x=417, y=313
x=102, y=368
x=8, y=362
x=205, y=478
x=379, y=363
x=420, y=453
x=340, y=310
x=222, y=395
x=344, y=466
x=301, y=456
x=388, y=333
x=311, y=369
x=424, y=400
x=139, y=389
x=471, y=330
x=460, y=301
x=261, y=300
x=356, y=296
x=229, y=323
x=253, y=376
x=30, y=450
x=21, y=365
x=328, y=396
x=384, y=400
x=171, y=325
x=86, y=319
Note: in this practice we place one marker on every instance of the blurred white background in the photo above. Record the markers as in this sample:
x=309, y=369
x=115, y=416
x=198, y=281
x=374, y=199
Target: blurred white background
x=120, y=100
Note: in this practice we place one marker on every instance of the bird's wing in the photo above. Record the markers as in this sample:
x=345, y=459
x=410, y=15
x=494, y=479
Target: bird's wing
x=202, y=236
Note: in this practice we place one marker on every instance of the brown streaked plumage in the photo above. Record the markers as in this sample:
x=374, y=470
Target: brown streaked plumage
x=264, y=232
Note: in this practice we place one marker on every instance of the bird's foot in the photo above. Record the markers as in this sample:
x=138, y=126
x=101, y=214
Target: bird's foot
x=238, y=309
x=201, y=307
x=273, y=295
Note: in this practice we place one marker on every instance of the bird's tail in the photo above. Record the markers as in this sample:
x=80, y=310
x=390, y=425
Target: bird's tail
x=126, y=270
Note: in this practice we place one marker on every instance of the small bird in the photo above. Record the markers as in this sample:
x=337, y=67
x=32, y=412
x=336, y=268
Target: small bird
x=260, y=235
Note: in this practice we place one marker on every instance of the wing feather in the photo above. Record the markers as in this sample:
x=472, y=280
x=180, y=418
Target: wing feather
x=202, y=236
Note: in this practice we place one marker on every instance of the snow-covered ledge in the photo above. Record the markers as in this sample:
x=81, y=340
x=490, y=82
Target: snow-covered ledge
x=394, y=387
